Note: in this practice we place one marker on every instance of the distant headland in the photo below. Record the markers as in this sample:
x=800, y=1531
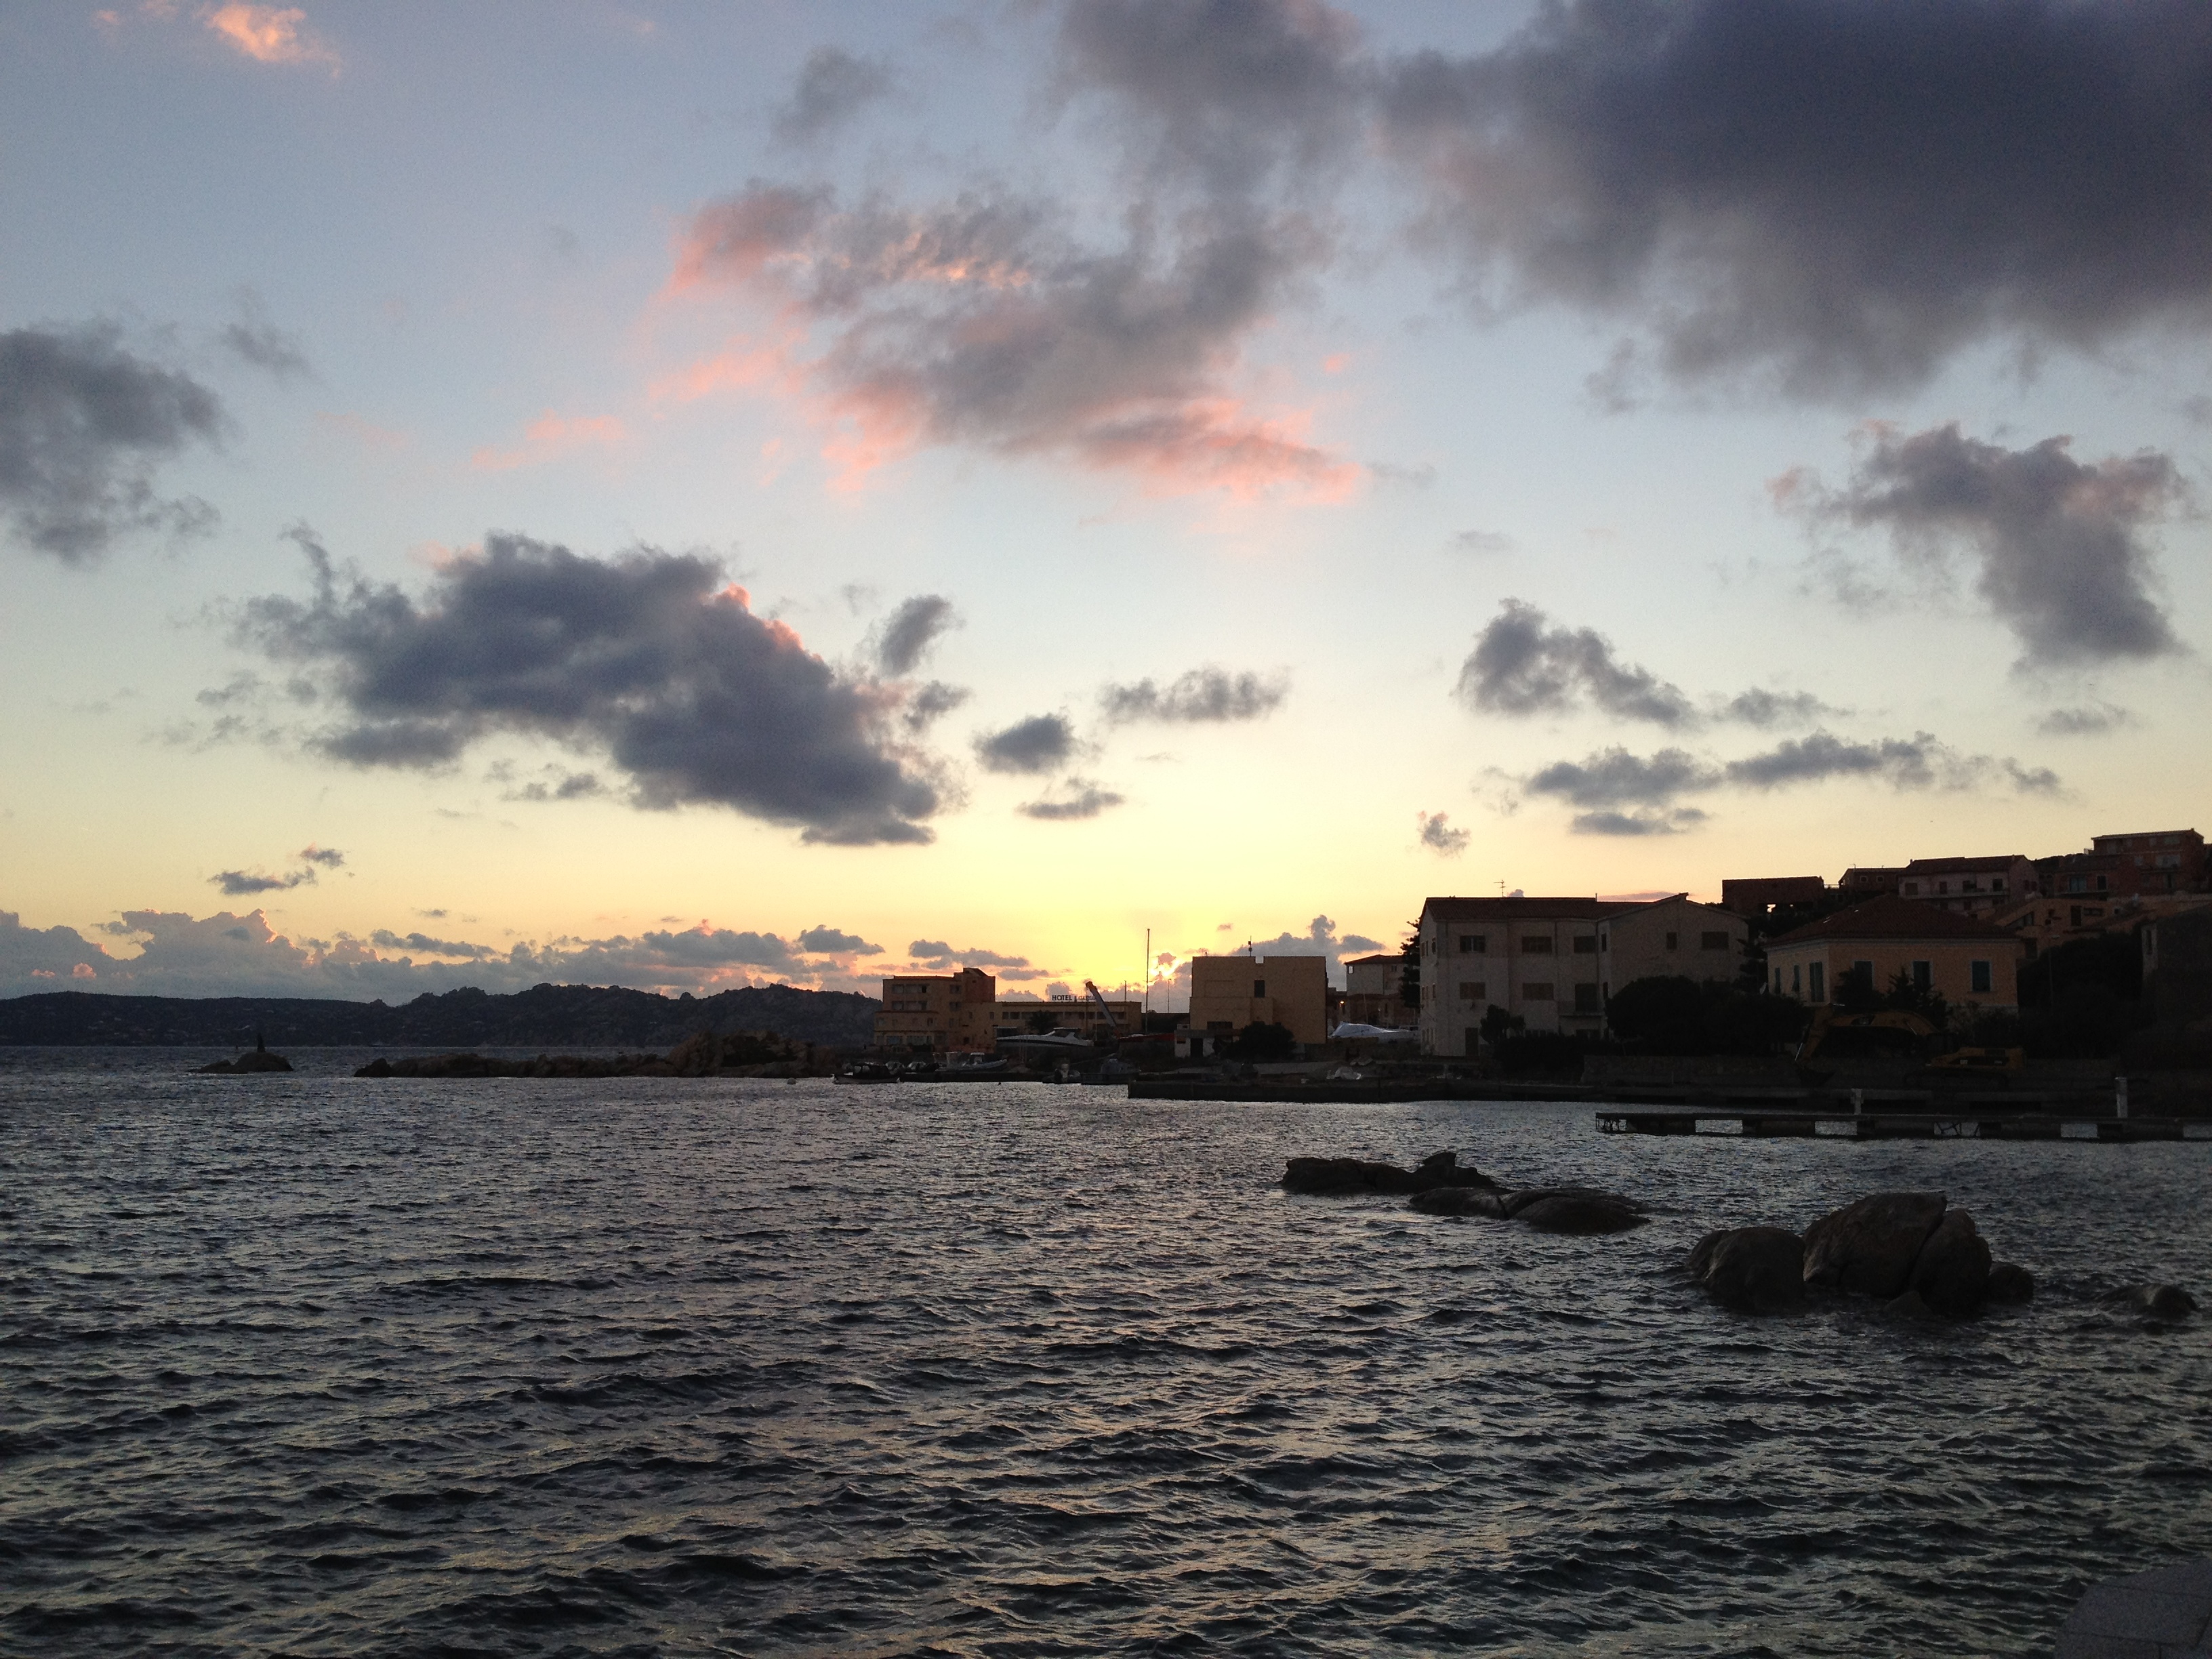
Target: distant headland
x=565, y=1016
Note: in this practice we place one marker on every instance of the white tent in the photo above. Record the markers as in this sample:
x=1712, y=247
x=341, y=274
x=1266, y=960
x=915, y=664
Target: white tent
x=1373, y=1033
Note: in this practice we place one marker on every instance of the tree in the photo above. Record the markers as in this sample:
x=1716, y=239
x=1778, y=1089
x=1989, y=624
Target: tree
x=1264, y=1040
x=1409, y=968
x=1497, y=1025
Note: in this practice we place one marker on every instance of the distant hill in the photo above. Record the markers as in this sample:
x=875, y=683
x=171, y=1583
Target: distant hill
x=543, y=1017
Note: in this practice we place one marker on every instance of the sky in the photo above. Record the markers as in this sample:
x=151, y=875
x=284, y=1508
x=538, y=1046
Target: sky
x=693, y=495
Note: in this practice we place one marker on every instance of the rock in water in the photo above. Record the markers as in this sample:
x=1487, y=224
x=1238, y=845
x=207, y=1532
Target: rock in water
x=255, y=1059
x=1952, y=1272
x=1870, y=1247
x=1908, y=1306
x=1442, y=1169
x=2157, y=1301
x=1347, y=1177
x=1758, y=1269
x=1574, y=1210
x=2010, y=1282
x=1460, y=1200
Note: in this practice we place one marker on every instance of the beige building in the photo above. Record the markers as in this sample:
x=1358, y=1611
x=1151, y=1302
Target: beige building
x=941, y=1012
x=1971, y=887
x=1020, y=1016
x=1227, y=993
x=1371, y=991
x=1554, y=963
x=1972, y=964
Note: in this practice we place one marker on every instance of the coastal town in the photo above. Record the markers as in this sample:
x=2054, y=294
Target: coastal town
x=2069, y=955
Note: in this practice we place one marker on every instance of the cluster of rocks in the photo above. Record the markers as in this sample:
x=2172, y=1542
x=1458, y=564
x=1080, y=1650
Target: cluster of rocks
x=254, y=1059
x=1439, y=1185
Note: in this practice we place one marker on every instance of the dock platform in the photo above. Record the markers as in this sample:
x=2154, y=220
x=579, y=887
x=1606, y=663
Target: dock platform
x=1947, y=1124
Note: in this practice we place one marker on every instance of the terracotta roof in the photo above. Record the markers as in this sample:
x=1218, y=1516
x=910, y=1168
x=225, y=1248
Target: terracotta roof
x=1891, y=917
x=1568, y=908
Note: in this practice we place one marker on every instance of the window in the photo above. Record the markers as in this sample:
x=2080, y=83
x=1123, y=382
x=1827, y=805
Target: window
x=1474, y=990
x=1605, y=941
x=1794, y=986
x=1259, y=987
x=1978, y=975
x=1913, y=890
x=2102, y=883
x=1778, y=981
x=1816, y=977
x=1473, y=944
x=1923, y=975
x=1713, y=941
x=1586, y=945
x=1997, y=884
x=1585, y=998
x=1942, y=886
x=1537, y=945
x=1536, y=991
x=1672, y=940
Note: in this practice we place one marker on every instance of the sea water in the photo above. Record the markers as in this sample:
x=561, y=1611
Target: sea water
x=309, y=1364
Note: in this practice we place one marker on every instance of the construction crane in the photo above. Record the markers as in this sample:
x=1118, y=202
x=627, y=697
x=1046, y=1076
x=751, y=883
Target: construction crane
x=1105, y=1011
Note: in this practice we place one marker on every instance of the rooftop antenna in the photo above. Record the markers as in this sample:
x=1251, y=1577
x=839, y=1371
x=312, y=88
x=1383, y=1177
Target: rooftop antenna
x=1501, y=889
x=1148, y=970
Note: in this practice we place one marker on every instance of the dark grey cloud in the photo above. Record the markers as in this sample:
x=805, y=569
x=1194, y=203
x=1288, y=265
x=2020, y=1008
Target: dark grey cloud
x=1920, y=762
x=650, y=657
x=560, y=784
x=1203, y=695
x=1768, y=708
x=2087, y=720
x=910, y=631
x=1482, y=540
x=1037, y=745
x=83, y=426
x=253, y=339
x=2058, y=544
x=1844, y=192
x=983, y=322
x=327, y=858
x=1228, y=93
x=426, y=944
x=931, y=704
x=1615, y=777
x=242, y=883
x=822, y=940
x=1439, y=835
x=937, y=951
x=832, y=86
x=1673, y=821
x=1522, y=666
x=1083, y=799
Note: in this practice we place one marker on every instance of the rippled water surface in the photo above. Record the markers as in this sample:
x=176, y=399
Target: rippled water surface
x=309, y=1366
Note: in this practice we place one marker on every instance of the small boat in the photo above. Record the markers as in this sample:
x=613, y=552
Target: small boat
x=869, y=1070
x=1061, y=1042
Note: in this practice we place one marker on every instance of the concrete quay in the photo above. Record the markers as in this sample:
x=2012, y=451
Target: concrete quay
x=1943, y=1123
x=2164, y=1613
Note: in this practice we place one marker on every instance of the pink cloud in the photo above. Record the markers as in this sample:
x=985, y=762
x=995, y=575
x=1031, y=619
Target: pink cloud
x=268, y=34
x=548, y=437
x=976, y=323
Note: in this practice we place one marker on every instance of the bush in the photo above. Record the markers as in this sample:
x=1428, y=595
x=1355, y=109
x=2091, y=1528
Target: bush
x=1544, y=1054
x=1672, y=1015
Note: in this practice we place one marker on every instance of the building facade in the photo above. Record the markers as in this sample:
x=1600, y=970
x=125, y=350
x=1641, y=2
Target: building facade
x=2156, y=861
x=1972, y=963
x=1751, y=896
x=1670, y=938
x=1535, y=957
x=1371, y=991
x=1020, y=1017
x=939, y=1012
x=1971, y=886
x=1227, y=993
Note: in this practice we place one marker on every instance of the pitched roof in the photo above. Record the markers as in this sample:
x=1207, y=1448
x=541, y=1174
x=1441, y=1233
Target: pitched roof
x=1568, y=908
x=1380, y=956
x=1953, y=867
x=1889, y=917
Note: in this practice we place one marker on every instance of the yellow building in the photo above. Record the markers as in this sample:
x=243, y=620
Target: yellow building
x=1967, y=960
x=942, y=1012
x=1017, y=1018
x=1227, y=993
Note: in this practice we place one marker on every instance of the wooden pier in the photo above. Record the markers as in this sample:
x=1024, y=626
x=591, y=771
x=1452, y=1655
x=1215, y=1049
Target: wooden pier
x=1946, y=1124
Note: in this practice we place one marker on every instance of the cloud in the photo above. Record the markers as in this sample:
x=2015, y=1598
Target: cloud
x=1439, y=835
x=1674, y=821
x=1841, y=193
x=1320, y=940
x=1228, y=95
x=255, y=340
x=2058, y=542
x=822, y=940
x=1203, y=695
x=83, y=423
x=2091, y=719
x=243, y=884
x=913, y=628
x=1767, y=708
x=832, y=86
x=1482, y=540
x=269, y=35
x=231, y=955
x=1037, y=745
x=981, y=323
x=648, y=657
x=931, y=703
x=1084, y=800
x=1920, y=762
x=1615, y=777
x=550, y=437
x=1521, y=665
x=937, y=952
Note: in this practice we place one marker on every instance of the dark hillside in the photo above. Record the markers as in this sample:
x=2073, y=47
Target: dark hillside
x=545, y=1016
